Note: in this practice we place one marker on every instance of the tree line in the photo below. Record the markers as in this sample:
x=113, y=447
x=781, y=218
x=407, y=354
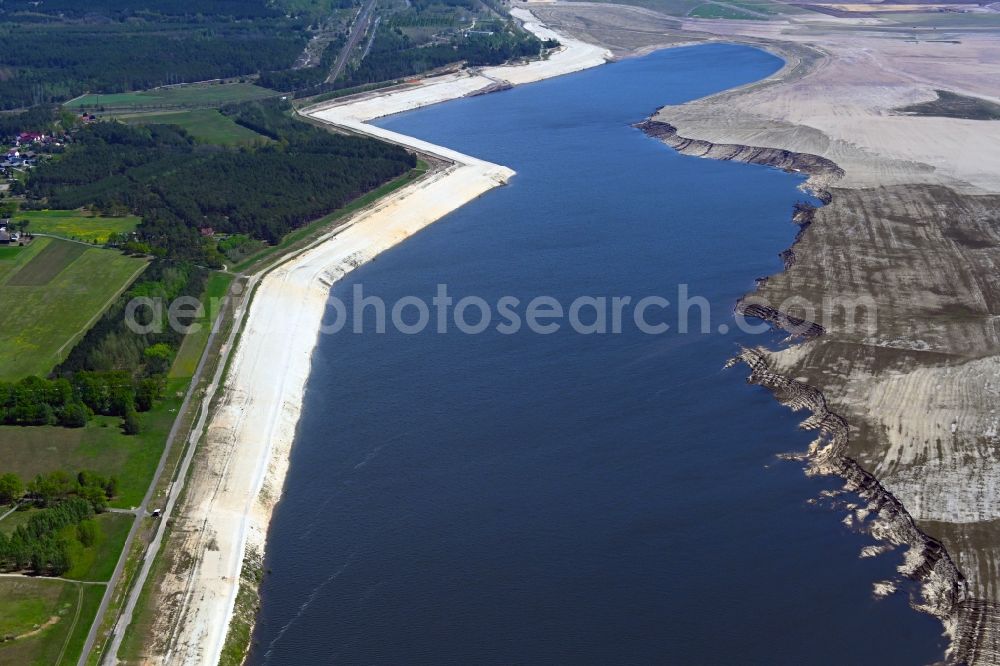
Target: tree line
x=71, y=402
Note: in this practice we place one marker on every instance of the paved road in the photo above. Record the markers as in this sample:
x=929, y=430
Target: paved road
x=357, y=32
x=143, y=508
x=175, y=490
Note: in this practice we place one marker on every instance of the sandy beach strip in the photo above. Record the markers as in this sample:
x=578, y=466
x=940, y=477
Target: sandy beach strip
x=237, y=482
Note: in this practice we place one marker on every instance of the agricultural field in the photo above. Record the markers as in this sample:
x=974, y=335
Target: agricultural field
x=76, y=224
x=205, y=125
x=46, y=619
x=193, y=96
x=50, y=293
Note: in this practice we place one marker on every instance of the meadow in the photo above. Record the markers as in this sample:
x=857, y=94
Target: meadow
x=193, y=96
x=76, y=224
x=186, y=361
x=100, y=446
x=50, y=293
x=205, y=125
x=49, y=617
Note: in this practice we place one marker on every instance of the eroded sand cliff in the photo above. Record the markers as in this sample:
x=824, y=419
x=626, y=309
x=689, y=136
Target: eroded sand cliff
x=898, y=271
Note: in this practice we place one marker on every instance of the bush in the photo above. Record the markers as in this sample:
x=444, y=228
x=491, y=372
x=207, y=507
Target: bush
x=86, y=533
x=132, y=425
x=75, y=415
x=11, y=488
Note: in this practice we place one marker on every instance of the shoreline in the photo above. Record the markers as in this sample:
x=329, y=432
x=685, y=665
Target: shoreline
x=970, y=619
x=231, y=496
x=866, y=189
x=941, y=583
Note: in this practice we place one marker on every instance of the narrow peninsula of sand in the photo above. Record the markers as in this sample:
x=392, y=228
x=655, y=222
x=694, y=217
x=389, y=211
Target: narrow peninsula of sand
x=241, y=469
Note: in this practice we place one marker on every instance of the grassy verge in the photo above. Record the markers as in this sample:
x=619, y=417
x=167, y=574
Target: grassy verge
x=189, y=354
x=131, y=568
x=344, y=92
x=89, y=603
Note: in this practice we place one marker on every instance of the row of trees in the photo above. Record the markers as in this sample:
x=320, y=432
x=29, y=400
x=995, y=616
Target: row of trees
x=72, y=402
x=49, y=489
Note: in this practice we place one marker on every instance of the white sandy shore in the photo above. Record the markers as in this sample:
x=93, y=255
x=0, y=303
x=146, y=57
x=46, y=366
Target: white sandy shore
x=236, y=485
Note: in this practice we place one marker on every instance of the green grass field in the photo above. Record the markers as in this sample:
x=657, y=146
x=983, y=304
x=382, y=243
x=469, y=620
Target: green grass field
x=76, y=224
x=51, y=619
x=194, y=96
x=97, y=563
x=189, y=354
x=11, y=522
x=205, y=125
x=46, y=265
x=50, y=292
x=100, y=446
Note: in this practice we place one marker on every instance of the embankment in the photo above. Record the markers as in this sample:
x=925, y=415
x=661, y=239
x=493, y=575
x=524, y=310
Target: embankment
x=241, y=470
x=969, y=621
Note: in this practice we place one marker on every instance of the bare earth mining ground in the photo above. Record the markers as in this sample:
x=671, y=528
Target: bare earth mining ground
x=907, y=407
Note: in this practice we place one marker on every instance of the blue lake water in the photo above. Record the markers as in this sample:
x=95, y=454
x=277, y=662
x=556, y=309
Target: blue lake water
x=566, y=498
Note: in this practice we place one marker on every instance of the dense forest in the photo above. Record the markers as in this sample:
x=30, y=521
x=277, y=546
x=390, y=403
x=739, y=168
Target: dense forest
x=57, y=49
x=393, y=55
x=120, y=10
x=35, y=119
x=179, y=187
x=288, y=80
